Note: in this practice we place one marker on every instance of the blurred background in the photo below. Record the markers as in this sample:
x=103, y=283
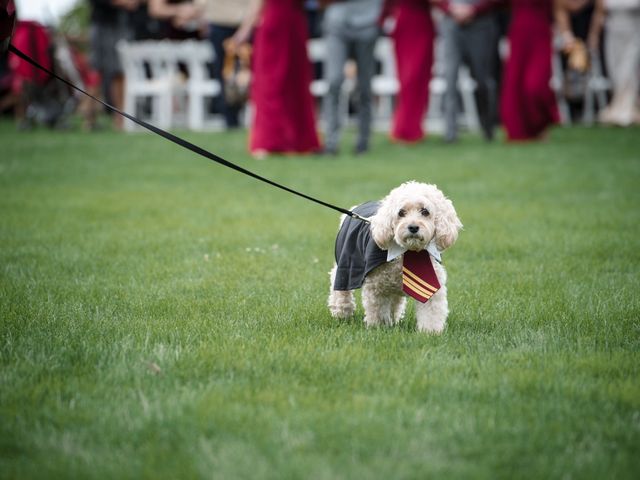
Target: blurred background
x=178, y=65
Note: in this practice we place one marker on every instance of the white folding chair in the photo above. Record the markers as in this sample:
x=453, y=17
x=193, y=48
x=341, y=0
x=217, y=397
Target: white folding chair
x=147, y=76
x=200, y=86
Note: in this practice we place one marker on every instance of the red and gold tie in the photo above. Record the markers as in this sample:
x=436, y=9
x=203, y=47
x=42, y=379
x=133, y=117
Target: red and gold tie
x=419, y=279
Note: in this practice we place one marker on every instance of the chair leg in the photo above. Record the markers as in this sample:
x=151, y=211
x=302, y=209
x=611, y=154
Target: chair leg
x=129, y=107
x=196, y=111
x=164, y=110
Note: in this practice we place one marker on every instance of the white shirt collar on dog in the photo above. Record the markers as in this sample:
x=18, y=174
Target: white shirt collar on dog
x=396, y=250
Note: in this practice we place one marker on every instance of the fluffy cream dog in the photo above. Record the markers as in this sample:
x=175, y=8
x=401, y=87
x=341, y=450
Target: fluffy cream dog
x=414, y=216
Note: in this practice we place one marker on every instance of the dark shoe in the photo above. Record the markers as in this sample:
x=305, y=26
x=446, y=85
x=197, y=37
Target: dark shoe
x=487, y=134
x=361, y=149
x=451, y=134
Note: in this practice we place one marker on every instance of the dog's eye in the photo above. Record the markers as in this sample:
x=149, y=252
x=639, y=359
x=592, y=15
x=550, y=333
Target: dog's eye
x=424, y=212
x=402, y=213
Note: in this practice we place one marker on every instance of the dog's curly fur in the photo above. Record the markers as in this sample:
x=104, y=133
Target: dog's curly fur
x=412, y=204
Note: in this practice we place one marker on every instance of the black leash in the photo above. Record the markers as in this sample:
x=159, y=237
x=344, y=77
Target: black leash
x=184, y=143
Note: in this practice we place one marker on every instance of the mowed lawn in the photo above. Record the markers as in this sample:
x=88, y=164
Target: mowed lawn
x=163, y=317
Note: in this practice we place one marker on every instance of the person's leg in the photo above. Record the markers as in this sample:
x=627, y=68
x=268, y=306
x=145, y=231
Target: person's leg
x=217, y=35
x=113, y=71
x=116, y=89
x=335, y=59
x=541, y=108
x=366, y=65
x=480, y=40
x=623, y=52
x=512, y=97
x=453, y=57
x=413, y=38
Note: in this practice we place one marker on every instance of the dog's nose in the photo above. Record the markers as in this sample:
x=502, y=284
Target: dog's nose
x=414, y=228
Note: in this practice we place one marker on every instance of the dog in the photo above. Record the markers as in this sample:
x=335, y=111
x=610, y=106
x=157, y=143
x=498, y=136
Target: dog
x=414, y=217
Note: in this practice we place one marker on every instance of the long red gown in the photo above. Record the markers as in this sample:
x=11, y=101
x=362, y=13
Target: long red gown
x=527, y=104
x=413, y=37
x=284, y=118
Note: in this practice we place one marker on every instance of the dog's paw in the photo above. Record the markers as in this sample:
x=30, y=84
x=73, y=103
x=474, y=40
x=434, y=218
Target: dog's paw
x=341, y=304
x=431, y=329
x=341, y=311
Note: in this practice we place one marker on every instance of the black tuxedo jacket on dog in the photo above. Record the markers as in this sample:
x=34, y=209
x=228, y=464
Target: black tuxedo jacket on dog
x=356, y=252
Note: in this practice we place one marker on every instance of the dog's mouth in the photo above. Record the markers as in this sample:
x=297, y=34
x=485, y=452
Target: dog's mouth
x=413, y=241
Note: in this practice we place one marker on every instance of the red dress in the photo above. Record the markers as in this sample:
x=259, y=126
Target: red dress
x=33, y=39
x=413, y=37
x=284, y=118
x=527, y=104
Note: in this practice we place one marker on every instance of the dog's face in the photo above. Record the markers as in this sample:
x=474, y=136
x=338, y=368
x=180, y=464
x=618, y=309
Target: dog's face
x=413, y=226
x=412, y=215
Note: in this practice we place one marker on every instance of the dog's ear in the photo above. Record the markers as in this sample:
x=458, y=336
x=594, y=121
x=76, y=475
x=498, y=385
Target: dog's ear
x=382, y=226
x=447, y=223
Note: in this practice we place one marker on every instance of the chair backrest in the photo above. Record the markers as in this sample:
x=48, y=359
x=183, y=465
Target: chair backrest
x=147, y=60
x=132, y=63
x=197, y=55
x=153, y=60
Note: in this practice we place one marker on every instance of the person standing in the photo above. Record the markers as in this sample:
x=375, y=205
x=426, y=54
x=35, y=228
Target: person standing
x=283, y=117
x=474, y=43
x=622, y=53
x=413, y=37
x=349, y=26
x=528, y=105
x=110, y=23
x=224, y=18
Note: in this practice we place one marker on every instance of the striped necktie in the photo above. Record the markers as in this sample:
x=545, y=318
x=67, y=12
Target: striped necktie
x=419, y=279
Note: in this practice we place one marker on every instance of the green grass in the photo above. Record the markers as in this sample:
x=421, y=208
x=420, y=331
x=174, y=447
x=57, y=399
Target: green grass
x=164, y=317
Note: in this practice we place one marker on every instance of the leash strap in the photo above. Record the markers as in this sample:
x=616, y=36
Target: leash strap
x=184, y=143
